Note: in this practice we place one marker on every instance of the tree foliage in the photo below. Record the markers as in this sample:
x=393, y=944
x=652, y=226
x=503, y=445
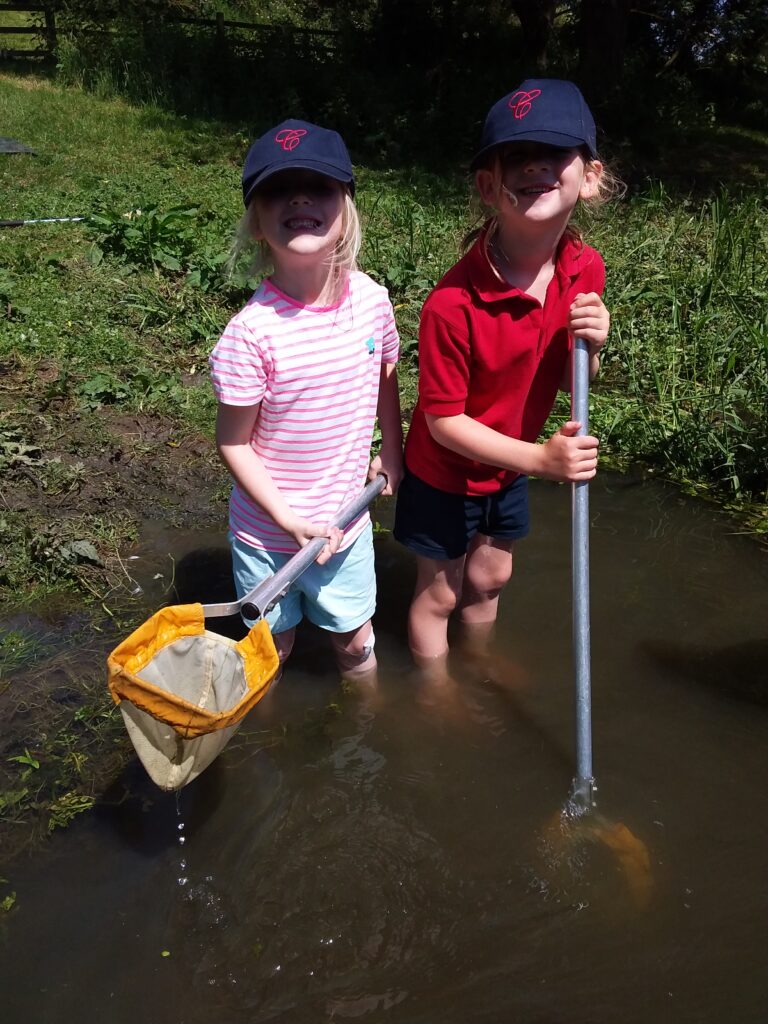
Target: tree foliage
x=664, y=65
x=100, y=10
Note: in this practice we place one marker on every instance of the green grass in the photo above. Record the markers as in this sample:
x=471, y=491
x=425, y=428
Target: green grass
x=685, y=382
x=19, y=19
x=129, y=308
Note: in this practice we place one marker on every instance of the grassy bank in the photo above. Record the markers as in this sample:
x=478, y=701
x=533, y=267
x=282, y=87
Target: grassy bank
x=105, y=406
x=129, y=307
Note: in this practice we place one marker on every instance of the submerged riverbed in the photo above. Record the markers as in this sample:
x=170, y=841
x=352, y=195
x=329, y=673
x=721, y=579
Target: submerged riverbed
x=392, y=857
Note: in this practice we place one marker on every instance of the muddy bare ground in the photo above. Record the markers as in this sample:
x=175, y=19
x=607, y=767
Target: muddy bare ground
x=76, y=488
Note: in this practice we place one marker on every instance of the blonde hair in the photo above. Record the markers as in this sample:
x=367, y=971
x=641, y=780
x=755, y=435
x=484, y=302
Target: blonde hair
x=609, y=186
x=342, y=260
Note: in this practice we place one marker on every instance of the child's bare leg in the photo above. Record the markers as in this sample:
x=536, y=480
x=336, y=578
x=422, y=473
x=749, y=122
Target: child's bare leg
x=437, y=593
x=354, y=652
x=284, y=645
x=487, y=569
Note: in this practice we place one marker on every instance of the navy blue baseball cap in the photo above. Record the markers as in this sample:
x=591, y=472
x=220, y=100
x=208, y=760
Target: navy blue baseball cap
x=540, y=110
x=296, y=144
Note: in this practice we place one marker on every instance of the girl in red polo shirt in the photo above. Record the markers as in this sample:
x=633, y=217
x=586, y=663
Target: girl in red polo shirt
x=494, y=348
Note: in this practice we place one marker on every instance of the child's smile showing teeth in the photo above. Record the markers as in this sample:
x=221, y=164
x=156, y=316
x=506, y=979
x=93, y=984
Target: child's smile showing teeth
x=536, y=190
x=299, y=223
x=537, y=182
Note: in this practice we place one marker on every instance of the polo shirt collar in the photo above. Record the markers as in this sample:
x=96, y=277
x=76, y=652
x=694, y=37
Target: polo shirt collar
x=490, y=288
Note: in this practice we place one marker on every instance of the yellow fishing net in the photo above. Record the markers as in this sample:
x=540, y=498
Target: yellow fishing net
x=184, y=690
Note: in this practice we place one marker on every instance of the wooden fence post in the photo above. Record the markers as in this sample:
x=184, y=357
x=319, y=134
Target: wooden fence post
x=50, y=30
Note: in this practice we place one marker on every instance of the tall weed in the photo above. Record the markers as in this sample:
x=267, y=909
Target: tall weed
x=686, y=372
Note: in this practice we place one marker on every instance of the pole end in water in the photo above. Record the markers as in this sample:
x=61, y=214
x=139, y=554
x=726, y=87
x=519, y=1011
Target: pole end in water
x=581, y=799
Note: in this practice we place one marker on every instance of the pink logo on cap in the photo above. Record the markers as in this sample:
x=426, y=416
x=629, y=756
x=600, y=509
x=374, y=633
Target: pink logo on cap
x=289, y=138
x=520, y=103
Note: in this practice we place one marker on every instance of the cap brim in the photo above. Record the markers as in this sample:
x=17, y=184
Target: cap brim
x=550, y=138
x=299, y=165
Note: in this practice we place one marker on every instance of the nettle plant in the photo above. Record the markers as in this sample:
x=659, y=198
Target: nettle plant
x=147, y=238
x=176, y=241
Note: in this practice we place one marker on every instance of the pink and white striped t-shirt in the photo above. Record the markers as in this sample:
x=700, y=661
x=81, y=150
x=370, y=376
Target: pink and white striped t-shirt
x=315, y=371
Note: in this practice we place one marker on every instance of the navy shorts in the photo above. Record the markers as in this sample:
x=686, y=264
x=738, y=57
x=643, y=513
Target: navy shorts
x=439, y=525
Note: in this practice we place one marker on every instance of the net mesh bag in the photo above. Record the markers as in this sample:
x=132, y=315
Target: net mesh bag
x=184, y=690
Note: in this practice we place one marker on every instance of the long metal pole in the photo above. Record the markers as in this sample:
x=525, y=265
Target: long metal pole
x=584, y=784
x=39, y=220
x=261, y=598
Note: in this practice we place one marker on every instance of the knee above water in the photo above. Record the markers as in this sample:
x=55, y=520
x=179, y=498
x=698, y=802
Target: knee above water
x=355, y=653
x=488, y=579
x=445, y=599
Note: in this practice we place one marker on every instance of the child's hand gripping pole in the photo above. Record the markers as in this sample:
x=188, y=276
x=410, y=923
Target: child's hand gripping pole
x=583, y=789
x=258, y=602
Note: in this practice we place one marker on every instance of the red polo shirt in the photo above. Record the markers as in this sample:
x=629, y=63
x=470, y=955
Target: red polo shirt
x=492, y=351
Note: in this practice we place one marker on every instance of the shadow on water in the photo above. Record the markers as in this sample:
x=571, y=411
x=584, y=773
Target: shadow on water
x=375, y=856
x=734, y=672
x=142, y=816
x=205, y=575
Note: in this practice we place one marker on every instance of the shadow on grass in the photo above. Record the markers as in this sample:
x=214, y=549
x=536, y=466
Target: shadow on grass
x=405, y=140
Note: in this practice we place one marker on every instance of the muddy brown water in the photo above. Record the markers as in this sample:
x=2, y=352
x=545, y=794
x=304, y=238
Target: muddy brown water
x=388, y=860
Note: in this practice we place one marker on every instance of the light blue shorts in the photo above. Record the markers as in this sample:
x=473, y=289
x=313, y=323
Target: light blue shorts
x=338, y=596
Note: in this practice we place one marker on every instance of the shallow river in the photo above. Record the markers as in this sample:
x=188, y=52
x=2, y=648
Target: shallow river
x=391, y=859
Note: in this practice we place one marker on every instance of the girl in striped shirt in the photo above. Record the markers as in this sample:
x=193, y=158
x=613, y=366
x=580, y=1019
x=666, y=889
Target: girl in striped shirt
x=301, y=374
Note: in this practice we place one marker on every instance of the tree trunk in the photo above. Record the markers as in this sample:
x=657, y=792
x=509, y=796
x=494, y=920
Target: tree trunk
x=602, y=37
x=536, y=22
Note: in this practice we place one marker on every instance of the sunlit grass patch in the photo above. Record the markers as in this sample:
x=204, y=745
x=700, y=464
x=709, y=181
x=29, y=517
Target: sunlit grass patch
x=20, y=41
